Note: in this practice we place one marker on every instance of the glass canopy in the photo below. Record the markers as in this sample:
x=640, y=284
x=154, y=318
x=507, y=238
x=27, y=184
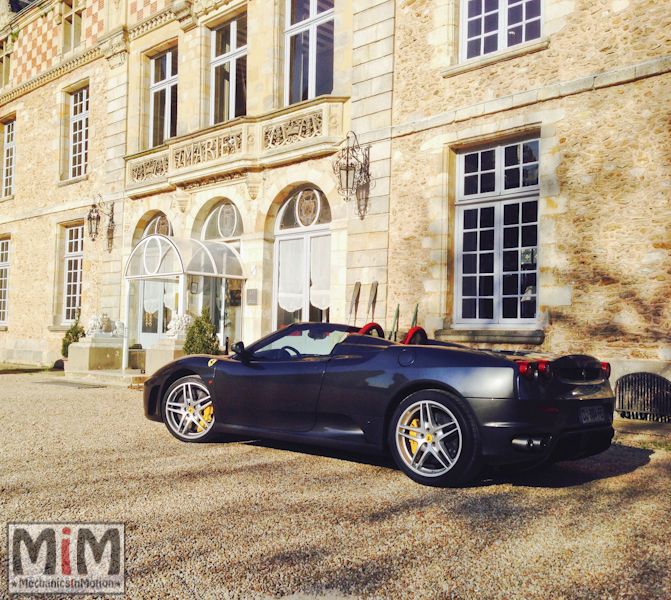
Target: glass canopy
x=161, y=256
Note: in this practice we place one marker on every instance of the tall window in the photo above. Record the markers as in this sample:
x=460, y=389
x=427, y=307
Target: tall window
x=491, y=25
x=303, y=259
x=163, y=92
x=229, y=70
x=309, y=49
x=5, y=64
x=497, y=235
x=4, y=279
x=8, y=158
x=72, y=25
x=79, y=132
x=74, y=253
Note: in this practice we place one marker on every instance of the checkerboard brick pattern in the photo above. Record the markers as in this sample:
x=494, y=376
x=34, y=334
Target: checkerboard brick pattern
x=37, y=48
x=141, y=9
x=93, y=21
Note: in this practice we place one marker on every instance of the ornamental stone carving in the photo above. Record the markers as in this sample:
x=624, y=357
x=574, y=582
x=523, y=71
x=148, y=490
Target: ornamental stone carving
x=115, y=47
x=179, y=325
x=99, y=324
x=202, y=151
x=149, y=169
x=292, y=131
x=226, y=177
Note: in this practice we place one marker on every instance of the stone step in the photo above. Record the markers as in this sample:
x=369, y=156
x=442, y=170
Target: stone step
x=128, y=378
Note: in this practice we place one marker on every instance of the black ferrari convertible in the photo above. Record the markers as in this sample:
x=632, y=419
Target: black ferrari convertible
x=439, y=409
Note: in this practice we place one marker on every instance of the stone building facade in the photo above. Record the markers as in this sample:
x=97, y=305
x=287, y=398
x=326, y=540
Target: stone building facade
x=519, y=160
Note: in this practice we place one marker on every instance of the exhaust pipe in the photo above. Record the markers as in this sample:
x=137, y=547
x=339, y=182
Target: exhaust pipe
x=529, y=444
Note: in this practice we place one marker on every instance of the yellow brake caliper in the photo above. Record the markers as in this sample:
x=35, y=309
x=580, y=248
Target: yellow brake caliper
x=206, y=418
x=413, y=445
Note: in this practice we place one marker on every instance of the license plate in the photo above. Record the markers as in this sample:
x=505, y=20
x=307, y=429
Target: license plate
x=592, y=414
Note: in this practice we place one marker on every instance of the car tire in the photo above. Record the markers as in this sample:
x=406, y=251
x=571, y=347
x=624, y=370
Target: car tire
x=187, y=409
x=448, y=449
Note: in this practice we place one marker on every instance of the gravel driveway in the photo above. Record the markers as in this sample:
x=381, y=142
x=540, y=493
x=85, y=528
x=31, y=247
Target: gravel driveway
x=253, y=520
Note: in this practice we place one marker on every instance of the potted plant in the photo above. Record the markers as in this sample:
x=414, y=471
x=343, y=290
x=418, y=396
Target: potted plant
x=72, y=335
x=201, y=337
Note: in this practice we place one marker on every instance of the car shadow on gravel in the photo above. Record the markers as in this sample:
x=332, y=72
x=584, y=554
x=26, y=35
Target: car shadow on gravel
x=616, y=461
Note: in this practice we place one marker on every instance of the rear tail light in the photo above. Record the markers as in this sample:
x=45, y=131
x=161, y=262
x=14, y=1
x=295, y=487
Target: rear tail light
x=605, y=367
x=545, y=368
x=527, y=368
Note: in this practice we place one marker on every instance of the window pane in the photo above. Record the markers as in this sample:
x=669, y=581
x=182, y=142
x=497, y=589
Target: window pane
x=173, y=110
x=511, y=214
x=530, y=175
x=300, y=10
x=174, y=63
x=512, y=155
x=324, y=72
x=160, y=68
x=487, y=217
x=510, y=308
x=512, y=178
x=487, y=160
x=487, y=240
x=241, y=86
x=468, y=308
x=510, y=262
x=491, y=44
x=529, y=212
x=487, y=182
x=468, y=286
x=529, y=235
x=470, y=219
x=223, y=40
x=491, y=5
x=471, y=185
x=486, y=306
x=470, y=264
x=222, y=90
x=491, y=22
x=298, y=64
x=510, y=237
x=530, y=151
x=533, y=9
x=470, y=242
x=158, y=125
x=474, y=8
x=487, y=263
x=486, y=286
x=528, y=308
x=532, y=32
x=324, y=5
x=473, y=48
x=510, y=285
x=515, y=14
x=471, y=162
x=474, y=28
x=241, y=34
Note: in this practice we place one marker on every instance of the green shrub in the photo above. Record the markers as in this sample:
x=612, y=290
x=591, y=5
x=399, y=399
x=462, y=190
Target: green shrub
x=71, y=336
x=201, y=338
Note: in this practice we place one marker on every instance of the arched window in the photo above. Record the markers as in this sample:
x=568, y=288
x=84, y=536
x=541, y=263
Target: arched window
x=158, y=224
x=224, y=224
x=303, y=259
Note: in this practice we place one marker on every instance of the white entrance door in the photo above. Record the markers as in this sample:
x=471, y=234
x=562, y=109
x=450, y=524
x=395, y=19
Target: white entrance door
x=158, y=305
x=303, y=278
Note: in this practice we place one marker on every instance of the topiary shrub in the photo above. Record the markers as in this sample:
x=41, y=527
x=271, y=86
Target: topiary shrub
x=71, y=336
x=201, y=338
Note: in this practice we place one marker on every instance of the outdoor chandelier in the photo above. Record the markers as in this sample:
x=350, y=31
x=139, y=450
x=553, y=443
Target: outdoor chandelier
x=352, y=170
x=93, y=218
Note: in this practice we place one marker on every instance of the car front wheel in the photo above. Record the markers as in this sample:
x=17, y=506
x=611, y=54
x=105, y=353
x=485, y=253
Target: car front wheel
x=188, y=411
x=434, y=440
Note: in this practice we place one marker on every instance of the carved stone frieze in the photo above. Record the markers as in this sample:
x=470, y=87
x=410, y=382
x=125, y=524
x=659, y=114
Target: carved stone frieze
x=151, y=168
x=150, y=24
x=253, y=182
x=292, y=131
x=213, y=148
x=203, y=7
x=225, y=177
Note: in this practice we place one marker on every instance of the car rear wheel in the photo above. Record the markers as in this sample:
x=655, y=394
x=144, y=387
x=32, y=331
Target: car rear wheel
x=434, y=440
x=188, y=411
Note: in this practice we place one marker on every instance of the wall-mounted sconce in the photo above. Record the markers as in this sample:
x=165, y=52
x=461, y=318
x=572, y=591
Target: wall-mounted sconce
x=93, y=218
x=352, y=170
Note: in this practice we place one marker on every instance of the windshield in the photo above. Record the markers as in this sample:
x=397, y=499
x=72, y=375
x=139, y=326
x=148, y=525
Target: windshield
x=303, y=341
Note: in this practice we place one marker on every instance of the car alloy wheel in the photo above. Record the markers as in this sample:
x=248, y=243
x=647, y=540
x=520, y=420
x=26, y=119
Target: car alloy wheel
x=188, y=411
x=434, y=439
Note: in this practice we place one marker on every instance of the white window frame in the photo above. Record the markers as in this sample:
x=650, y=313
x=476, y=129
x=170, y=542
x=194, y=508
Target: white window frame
x=4, y=279
x=156, y=87
x=497, y=199
x=72, y=264
x=218, y=61
x=73, y=18
x=79, y=133
x=8, y=158
x=310, y=24
x=502, y=37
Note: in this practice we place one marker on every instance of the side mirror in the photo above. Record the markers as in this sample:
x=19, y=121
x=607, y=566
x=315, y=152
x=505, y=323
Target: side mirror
x=238, y=348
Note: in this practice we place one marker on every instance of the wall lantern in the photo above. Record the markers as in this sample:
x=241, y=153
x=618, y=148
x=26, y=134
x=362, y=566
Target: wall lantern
x=352, y=170
x=93, y=218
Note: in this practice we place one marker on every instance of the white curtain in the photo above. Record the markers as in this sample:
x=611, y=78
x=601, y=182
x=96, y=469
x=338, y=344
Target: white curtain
x=152, y=295
x=291, y=275
x=320, y=272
